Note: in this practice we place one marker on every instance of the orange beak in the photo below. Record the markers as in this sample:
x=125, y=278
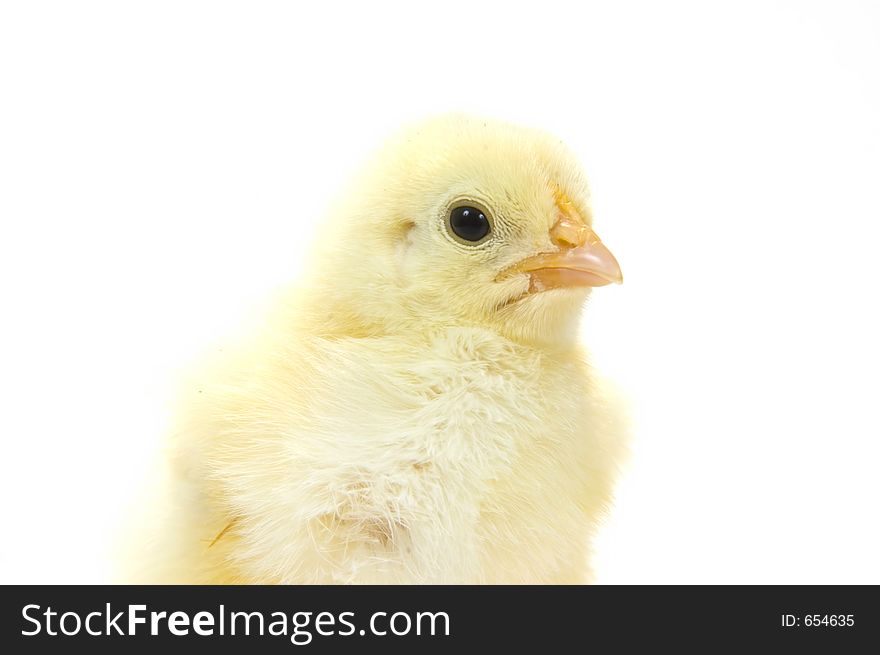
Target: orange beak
x=582, y=260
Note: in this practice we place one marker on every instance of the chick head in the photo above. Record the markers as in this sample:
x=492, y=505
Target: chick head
x=464, y=221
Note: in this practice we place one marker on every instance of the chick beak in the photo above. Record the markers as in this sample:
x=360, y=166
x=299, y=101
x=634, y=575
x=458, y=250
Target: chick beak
x=581, y=261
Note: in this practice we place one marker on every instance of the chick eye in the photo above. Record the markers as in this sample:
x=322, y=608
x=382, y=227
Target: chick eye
x=469, y=223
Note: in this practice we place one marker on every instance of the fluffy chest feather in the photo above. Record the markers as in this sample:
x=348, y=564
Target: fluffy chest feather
x=389, y=461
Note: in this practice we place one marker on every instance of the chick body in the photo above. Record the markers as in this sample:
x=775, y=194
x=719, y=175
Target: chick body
x=374, y=433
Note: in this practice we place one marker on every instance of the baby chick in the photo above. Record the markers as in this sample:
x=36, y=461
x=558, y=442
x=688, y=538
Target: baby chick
x=418, y=410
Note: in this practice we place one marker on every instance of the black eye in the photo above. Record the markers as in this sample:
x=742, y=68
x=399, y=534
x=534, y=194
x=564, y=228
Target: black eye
x=469, y=223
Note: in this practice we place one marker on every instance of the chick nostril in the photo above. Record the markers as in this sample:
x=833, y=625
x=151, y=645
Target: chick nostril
x=567, y=234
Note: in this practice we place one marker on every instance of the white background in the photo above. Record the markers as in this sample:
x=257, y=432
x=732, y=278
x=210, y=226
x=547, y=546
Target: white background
x=163, y=164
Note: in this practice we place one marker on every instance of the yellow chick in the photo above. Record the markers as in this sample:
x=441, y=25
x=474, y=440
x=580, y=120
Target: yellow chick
x=418, y=410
